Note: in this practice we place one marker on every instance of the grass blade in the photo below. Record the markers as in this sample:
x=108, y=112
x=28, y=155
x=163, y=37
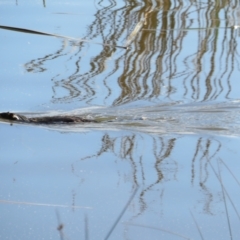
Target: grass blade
x=60, y=226
x=224, y=198
x=199, y=230
x=159, y=229
x=86, y=227
x=225, y=203
x=230, y=171
x=25, y=30
x=121, y=214
x=42, y=204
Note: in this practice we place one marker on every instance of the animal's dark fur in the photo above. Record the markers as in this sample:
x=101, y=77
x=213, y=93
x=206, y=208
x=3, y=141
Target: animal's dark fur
x=13, y=117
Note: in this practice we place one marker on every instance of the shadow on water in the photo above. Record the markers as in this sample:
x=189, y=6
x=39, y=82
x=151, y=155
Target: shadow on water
x=167, y=108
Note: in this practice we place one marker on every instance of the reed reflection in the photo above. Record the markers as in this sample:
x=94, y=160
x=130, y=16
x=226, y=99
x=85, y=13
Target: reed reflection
x=206, y=151
x=157, y=160
x=178, y=51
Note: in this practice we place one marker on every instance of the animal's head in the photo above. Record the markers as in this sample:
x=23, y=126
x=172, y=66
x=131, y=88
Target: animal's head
x=9, y=116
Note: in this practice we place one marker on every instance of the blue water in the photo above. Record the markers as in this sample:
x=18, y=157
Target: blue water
x=166, y=145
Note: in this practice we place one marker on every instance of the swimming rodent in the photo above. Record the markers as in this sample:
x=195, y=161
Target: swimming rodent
x=14, y=117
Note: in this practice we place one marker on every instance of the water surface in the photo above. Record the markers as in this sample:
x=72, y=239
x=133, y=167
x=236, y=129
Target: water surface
x=162, y=79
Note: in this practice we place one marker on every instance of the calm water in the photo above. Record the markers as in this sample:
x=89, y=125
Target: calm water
x=163, y=79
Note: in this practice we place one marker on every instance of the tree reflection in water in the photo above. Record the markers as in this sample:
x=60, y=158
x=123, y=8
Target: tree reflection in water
x=153, y=169
x=173, y=56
